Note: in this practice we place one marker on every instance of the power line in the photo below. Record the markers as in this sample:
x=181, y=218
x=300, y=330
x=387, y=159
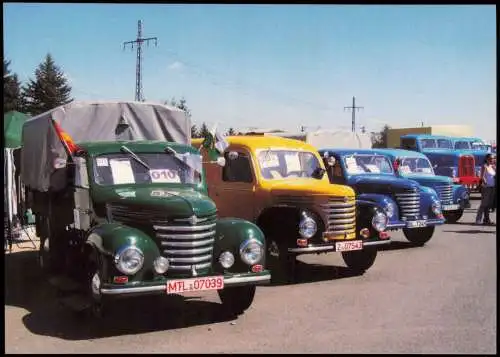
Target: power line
x=138, y=73
x=353, y=109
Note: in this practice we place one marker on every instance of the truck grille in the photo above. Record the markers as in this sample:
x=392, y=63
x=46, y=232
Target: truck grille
x=341, y=215
x=466, y=166
x=187, y=244
x=409, y=203
x=445, y=194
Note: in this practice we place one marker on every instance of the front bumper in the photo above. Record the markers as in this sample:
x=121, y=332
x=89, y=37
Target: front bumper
x=159, y=287
x=331, y=246
x=407, y=224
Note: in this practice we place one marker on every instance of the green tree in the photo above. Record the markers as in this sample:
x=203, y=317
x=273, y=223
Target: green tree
x=48, y=90
x=379, y=140
x=203, y=130
x=181, y=104
x=231, y=132
x=12, y=98
x=194, y=131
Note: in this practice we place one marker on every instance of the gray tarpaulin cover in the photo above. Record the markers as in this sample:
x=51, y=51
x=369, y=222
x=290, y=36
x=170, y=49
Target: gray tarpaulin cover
x=95, y=121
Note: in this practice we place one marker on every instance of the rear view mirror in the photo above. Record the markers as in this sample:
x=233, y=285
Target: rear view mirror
x=221, y=161
x=232, y=155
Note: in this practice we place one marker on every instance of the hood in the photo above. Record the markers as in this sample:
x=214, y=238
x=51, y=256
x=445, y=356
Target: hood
x=427, y=180
x=384, y=184
x=307, y=186
x=182, y=202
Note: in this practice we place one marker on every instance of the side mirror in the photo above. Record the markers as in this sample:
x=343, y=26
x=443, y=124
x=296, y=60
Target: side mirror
x=318, y=173
x=221, y=161
x=328, y=160
x=232, y=155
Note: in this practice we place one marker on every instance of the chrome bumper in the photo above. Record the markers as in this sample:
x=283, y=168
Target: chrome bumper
x=228, y=282
x=429, y=223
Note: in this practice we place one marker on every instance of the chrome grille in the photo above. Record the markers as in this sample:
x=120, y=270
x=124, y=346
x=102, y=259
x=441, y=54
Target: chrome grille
x=185, y=244
x=340, y=213
x=409, y=203
x=445, y=194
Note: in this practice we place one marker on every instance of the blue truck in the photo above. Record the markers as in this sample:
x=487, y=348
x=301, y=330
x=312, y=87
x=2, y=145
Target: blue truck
x=475, y=146
x=446, y=161
x=416, y=166
x=409, y=206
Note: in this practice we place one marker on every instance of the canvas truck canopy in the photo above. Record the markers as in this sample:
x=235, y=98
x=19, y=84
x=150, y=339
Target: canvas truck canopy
x=94, y=121
x=339, y=139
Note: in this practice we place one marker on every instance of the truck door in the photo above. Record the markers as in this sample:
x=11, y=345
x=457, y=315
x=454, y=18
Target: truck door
x=234, y=192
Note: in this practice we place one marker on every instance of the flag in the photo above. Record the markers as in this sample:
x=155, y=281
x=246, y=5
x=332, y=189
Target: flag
x=219, y=140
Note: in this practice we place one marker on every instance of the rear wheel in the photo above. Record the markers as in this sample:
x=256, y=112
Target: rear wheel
x=419, y=236
x=360, y=261
x=281, y=263
x=237, y=300
x=453, y=216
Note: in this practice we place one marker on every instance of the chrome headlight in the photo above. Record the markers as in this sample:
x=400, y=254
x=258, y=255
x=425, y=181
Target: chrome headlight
x=307, y=227
x=226, y=259
x=465, y=195
x=390, y=209
x=379, y=221
x=251, y=251
x=436, y=207
x=161, y=265
x=129, y=260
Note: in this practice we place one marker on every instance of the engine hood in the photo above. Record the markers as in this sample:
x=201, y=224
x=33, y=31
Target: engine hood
x=307, y=186
x=427, y=180
x=384, y=184
x=175, y=201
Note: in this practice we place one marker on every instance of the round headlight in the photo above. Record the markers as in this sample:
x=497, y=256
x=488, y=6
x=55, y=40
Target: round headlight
x=307, y=227
x=379, y=221
x=465, y=195
x=129, y=260
x=251, y=251
x=161, y=265
x=436, y=208
x=390, y=209
x=226, y=259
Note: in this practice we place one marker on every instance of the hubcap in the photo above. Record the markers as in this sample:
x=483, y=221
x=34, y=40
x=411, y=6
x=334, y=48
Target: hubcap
x=273, y=249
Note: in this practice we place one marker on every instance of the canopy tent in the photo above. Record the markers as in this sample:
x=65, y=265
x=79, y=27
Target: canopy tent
x=12, y=128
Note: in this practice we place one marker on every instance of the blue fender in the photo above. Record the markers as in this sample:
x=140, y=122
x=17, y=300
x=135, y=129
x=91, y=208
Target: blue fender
x=461, y=195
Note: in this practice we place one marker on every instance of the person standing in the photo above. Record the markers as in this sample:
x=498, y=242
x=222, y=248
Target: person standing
x=487, y=176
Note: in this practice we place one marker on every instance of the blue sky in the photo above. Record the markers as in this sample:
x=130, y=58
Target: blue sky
x=275, y=66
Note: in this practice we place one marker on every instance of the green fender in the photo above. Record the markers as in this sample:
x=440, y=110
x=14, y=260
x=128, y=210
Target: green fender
x=108, y=238
x=230, y=234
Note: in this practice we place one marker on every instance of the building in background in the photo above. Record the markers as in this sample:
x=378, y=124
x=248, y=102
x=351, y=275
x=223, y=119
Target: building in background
x=393, y=135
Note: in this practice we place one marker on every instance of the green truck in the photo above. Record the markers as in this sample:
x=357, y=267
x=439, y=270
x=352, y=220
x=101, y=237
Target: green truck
x=121, y=207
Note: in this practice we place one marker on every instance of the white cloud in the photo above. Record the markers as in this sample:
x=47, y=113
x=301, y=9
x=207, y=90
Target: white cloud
x=176, y=66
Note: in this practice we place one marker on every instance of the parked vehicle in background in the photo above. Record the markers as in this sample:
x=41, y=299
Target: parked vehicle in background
x=414, y=208
x=122, y=210
x=416, y=166
x=475, y=146
x=457, y=164
x=280, y=185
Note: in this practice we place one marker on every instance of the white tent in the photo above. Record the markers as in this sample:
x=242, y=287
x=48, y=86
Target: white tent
x=323, y=139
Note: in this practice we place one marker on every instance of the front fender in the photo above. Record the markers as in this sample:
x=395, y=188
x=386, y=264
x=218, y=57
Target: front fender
x=230, y=234
x=429, y=190
x=108, y=238
x=461, y=195
x=380, y=202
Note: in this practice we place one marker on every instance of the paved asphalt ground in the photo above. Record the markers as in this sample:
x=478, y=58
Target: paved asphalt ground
x=440, y=298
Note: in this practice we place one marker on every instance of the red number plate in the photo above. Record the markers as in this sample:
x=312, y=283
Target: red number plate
x=195, y=284
x=346, y=246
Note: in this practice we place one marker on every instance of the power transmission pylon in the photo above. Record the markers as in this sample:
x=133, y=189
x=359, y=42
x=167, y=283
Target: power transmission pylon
x=138, y=75
x=353, y=108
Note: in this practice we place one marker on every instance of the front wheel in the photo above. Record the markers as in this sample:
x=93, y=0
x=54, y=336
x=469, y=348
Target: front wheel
x=238, y=299
x=453, y=216
x=360, y=261
x=281, y=263
x=418, y=236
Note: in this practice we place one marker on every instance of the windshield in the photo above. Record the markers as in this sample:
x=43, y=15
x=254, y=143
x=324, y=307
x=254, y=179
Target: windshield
x=428, y=143
x=415, y=165
x=479, y=146
x=367, y=164
x=122, y=168
x=462, y=145
x=444, y=144
x=279, y=164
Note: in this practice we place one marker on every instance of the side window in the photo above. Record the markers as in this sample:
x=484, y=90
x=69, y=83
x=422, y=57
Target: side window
x=237, y=170
x=408, y=144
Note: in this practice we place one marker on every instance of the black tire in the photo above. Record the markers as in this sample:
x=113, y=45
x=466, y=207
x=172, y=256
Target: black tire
x=453, y=216
x=360, y=261
x=237, y=300
x=46, y=259
x=281, y=263
x=419, y=236
x=93, y=282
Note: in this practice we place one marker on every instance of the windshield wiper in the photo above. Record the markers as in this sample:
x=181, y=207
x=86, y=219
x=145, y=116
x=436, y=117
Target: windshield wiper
x=135, y=157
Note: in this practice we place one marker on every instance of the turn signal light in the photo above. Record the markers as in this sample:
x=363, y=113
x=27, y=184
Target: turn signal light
x=365, y=233
x=383, y=235
x=257, y=268
x=120, y=279
x=302, y=242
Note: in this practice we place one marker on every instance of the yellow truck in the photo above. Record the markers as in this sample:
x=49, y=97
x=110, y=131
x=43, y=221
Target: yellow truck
x=280, y=184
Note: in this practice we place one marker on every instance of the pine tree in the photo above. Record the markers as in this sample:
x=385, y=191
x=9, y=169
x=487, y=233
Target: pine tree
x=48, y=90
x=194, y=132
x=204, y=130
x=12, y=99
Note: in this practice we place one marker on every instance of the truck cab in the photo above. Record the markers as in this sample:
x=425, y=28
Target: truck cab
x=280, y=184
x=446, y=161
x=416, y=166
x=474, y=146
x=414, y=208
x=132, y=217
